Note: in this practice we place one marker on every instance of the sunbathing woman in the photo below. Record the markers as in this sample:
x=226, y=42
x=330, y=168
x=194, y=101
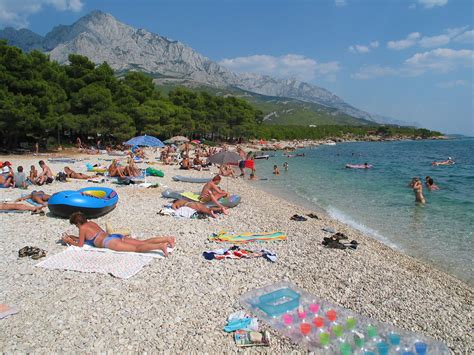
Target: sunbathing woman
x=73, y=175
x=38, y=197
x=198, y=206
x=226, y=170
x=115, y=170
x=20, y=207
x=91, y=234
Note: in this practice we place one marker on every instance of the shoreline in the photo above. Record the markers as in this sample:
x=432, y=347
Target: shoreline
x=181, y=302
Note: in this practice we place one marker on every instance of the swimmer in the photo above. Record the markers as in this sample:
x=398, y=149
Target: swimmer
x=285, y=166
x=430, y=184
x=418, y=190
x=276, y=171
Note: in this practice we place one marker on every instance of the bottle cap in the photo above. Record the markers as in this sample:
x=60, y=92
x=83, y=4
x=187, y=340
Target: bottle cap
x=318, y=322
x=305, y=328
x=345, y=349
x=351, y=323
x=420, y=348
x=287, y=319
x=371, y=331
x=382, y=348
x=394, y=338
x=324, y=339
x=331, y=315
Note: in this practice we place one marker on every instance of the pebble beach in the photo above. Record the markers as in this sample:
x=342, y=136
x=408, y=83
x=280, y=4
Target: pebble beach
x=181, y=303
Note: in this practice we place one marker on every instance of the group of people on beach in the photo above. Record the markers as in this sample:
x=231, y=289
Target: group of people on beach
x=18, y=179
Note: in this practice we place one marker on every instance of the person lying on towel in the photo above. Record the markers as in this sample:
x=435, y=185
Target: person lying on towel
x=91, y=234
x=197, y=206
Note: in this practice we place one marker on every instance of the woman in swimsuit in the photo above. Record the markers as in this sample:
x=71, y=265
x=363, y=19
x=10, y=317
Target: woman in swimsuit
x=198, y=206
x=38, y=197
x=73, y=175
x=418, y=190
x=91, y=234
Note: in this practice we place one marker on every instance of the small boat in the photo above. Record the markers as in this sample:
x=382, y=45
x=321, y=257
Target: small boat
x=358, y=166
x=263, y=156
x=92, y=201
x=330, y=143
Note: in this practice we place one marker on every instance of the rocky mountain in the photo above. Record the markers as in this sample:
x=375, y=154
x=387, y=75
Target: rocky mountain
x=100, y=37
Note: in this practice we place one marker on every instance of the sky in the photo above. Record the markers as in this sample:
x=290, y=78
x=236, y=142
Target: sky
x=412, y=60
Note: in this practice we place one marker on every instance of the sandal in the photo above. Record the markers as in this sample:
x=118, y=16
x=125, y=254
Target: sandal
x=312, y=215
x=299, y=218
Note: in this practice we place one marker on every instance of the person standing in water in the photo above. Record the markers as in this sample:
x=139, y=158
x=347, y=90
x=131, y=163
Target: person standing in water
x=430, y=184
x=418, y=190
x=285, y=166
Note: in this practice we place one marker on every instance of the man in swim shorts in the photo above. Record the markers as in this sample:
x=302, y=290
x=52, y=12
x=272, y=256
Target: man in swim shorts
x=46, y=176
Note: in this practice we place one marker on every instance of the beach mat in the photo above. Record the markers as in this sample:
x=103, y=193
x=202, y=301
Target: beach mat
x=191, y=179
x=122, y=266
x=224, y=237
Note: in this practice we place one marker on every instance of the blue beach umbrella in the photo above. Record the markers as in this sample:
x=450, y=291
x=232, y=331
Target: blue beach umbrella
x=145, y=141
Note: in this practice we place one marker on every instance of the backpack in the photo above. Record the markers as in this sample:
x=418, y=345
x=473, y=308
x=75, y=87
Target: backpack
x=61, y=177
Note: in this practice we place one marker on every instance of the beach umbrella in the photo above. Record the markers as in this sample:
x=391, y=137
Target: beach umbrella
x=145, y=141
x=224, y=157
x=177, y=139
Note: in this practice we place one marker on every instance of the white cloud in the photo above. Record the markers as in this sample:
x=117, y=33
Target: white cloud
x=441, y=60
x=467, y=37
x=435, y=41
x=286, y=66
x=408, y=42
x=16, y=12
x=452, y=84
x=459, y=34
x=340, y=3
x=374, y=71
x=432, y=3
x=359, y=48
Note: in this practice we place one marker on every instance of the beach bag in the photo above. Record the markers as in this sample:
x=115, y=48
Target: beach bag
x=62, y=177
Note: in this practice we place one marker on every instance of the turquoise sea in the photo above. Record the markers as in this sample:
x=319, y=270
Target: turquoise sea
x=379, y=202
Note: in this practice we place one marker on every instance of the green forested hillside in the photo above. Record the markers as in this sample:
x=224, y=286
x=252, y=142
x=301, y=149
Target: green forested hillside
x=45, y=102
x=281, y=111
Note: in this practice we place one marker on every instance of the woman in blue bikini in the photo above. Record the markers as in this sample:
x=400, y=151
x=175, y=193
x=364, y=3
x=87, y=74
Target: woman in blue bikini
x=91, y=234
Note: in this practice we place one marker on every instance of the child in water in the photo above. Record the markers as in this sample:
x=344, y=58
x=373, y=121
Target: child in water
x=276, y=171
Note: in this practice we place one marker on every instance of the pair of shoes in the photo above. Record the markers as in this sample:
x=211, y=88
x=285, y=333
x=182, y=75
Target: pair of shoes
x=312, y=215
x=34, y=252
x=299, y=218
x=333, y=243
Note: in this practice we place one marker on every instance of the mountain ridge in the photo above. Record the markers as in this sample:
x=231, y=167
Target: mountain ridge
x=101, y=37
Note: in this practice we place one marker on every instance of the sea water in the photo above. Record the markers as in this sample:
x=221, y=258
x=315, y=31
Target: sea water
x=379, y=202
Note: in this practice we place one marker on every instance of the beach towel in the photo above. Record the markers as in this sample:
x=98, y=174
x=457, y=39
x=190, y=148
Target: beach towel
x=120, y=265
x=235, y=252
x=190, y=195
x=30, y=201
x=223, y=236
x=152, y=253
x=6, y=310
x=184, y=212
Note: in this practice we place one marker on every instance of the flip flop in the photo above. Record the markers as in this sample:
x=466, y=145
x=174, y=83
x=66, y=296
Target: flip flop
x=296, y=217
x=312, y=215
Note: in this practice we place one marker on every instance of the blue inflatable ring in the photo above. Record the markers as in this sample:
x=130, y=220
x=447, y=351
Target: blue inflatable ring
x=92, y=201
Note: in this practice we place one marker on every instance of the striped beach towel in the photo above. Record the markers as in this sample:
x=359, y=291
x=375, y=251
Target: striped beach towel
x=241, y=238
